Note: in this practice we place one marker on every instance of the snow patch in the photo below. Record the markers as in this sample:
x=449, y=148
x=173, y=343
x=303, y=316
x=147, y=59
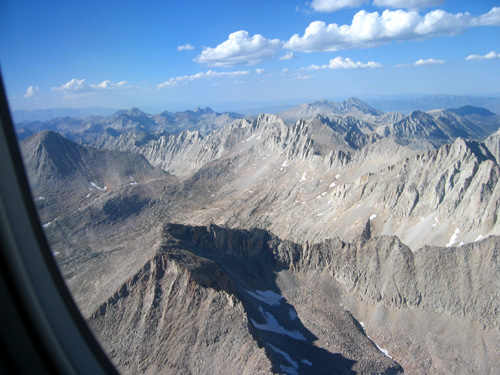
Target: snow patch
x=373, y=217
x=134, y=182
x=46, y=225
x=323, y=193
x=251, y=137
x=287, y=357
x=284, y=164
x=97, y=187
x=332, y=185
x=40, y=198
x=304, y=177
x=306, y=361
x=55, y=253
x=478, y=238
x=453, y=238
x=292, y=314
x=272, y=325
x=266, y=296
x=362, y=325
x=337, y=176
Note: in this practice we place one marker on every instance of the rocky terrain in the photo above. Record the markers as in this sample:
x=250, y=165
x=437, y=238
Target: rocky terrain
x=348, y=241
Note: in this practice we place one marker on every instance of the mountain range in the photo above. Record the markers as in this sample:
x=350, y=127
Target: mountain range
x=347, y=241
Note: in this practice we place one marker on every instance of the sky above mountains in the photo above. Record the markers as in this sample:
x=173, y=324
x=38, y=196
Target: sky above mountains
x=182, y=54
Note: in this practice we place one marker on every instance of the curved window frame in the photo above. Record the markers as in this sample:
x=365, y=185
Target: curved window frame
x=41, y=329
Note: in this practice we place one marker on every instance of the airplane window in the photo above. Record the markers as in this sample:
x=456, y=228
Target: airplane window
x=251, y=188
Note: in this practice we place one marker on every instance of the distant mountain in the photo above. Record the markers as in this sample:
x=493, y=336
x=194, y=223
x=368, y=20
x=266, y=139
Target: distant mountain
x=85, y=130
x=48, y=114
x=471, y=110
x=430, y=102
x=421, y=131
x=352, y=107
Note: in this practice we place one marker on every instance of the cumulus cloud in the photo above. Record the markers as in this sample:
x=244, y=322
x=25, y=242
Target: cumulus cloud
x=240, y=49
x=259, y=71
x=31, y=92
x=288, y=56
x=73, y=85
x=334, y=5
x=185, y=47
x=421, y=62
x=108, y=85
x=345, y=63
x=374, y=29
x=408, y=4
x=489, y=56
x=202, y=75
x=77, y=88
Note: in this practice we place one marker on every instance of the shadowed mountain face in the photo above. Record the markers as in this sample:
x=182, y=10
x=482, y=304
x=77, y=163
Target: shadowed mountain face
x=372, y=238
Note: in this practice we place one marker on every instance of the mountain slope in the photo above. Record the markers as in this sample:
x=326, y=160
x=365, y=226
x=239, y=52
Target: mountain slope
x=204, y=279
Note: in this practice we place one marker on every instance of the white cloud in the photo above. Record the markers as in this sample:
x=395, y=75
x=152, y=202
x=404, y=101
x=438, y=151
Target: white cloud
x=421, y=62
x=300, y=76
x=408, y=4
x=374, y=29
x=108, y=85
x=334, y=5
x=185, y=47
x=259, y=71
x=31, y=92
x=488, y=56
x=240, y=49
x=76, y=88
x=285, y=70
x=202, y=75
x=429, y=62
x=345, y=63
x=287, y=56
x=73, y=85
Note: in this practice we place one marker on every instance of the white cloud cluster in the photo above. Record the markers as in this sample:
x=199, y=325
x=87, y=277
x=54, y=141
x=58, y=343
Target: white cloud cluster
x=240, y=49
x=334, y=5
x=345, y=63
x=374, y=29
x=185, y=47
x=76, y=88
x=73, y=85
x=421, y=62
x=31, y=92
x=259, y=71
x=202, y=75
x=489, y=56
x=408, y=4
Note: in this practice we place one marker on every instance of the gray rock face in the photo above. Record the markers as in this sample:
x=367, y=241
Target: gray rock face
x=205, y=279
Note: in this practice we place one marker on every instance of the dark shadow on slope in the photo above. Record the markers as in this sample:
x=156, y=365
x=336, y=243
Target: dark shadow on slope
x=274, y=323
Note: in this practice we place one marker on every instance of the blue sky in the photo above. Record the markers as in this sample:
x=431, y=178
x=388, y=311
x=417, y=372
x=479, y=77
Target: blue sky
x=175, y=55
